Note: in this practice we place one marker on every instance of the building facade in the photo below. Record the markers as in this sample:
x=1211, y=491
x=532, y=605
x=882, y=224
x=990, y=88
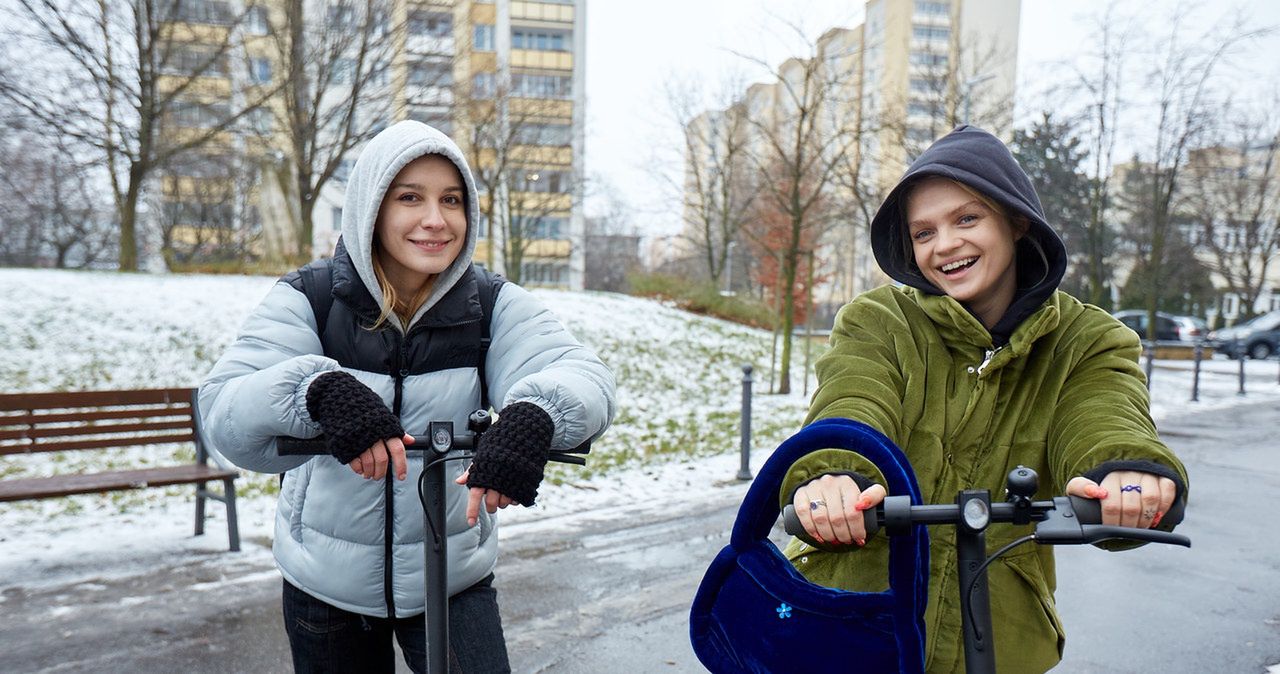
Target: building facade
x=884, y=90
x=504, y=78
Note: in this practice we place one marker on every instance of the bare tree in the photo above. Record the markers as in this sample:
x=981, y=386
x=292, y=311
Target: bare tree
x=1186, y=106
x=50, y=213
x=517, y=137
x=140, y=74
x=1101, y=80
x=336, y=58
x=716, y=190
x=203, y=212
x=797, y=154
x=1232, y=192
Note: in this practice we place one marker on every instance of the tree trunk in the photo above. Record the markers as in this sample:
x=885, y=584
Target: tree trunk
x=128, y=224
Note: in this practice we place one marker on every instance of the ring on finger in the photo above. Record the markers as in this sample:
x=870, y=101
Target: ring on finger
x=813, y=505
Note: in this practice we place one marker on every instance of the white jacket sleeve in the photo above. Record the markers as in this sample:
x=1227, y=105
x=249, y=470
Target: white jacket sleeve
x=533, y=358
x=258, y=389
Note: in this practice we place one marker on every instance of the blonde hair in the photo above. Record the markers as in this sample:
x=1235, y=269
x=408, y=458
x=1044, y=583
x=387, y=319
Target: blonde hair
x=393, y=304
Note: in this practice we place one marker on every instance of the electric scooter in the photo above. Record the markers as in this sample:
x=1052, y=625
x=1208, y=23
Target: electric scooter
x=443, y=445
x=1065, y=520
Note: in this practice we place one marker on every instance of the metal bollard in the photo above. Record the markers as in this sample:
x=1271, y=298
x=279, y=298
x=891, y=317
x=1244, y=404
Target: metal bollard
x=744, y=468
x=1150, y=348
x=1241, y=391
x=1195, y=376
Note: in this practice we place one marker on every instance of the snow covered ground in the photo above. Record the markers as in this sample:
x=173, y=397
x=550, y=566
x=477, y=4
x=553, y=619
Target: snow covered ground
x=674, y=443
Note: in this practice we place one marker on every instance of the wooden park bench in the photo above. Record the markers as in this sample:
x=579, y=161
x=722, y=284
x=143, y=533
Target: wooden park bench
x=36, y=423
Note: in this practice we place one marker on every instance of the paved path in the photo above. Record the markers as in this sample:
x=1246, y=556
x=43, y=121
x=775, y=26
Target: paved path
x=609, y=590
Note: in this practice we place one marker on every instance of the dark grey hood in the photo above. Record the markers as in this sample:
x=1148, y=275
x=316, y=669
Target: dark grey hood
x=978, y=159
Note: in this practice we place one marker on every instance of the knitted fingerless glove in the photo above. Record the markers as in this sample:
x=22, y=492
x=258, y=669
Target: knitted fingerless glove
x=351, y=416
x=511, y=455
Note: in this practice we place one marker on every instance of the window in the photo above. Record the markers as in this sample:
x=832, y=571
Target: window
x=931, y=59
x=431, y=74
x=259, y=70
x=1275, y=299
x=546, y=182
x=197, y=214
x=541, y=86
x=543, y=40
x=431, y=24
x=1230, y=305
x=932, y=8
x=257, y=21
x=335, y=214
x=544, y=228
x=342, y=16
x=483, y=85
x=921, y=108
x=217, y=12
x=482, y=37
x=343, y=70
x=931, y=33
x=544, y=273
x=544, y=134
x=925, y=85
x=195, y=60
x=194, y=115
x=441, y=120
x=260, y=121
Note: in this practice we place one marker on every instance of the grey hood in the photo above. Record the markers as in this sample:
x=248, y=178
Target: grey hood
x=384, y=156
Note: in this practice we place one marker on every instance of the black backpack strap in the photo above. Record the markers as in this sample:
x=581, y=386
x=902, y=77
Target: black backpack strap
x=488, y=284
x=317, y=284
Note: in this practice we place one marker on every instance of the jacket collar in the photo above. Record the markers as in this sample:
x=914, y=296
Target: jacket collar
x=958, y=327
x=461, y=304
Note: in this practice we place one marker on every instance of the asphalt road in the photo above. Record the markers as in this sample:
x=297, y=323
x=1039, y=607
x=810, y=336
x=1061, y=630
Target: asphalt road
x=609, y=590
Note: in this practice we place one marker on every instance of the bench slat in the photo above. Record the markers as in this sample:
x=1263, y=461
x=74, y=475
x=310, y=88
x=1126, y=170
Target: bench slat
x=44, y=401
x=25, y=418
x=128, y=441
x=66, y=485
x=99, y=429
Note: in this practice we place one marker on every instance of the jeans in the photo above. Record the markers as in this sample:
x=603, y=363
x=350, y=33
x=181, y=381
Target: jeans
x=329, y=640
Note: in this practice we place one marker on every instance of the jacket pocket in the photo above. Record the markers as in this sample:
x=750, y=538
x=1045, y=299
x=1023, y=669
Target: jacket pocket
x=1032, y=617
x=298, y=497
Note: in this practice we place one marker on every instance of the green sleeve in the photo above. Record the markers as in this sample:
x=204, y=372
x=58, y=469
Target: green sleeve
x=859, y=379
x=1103, y=413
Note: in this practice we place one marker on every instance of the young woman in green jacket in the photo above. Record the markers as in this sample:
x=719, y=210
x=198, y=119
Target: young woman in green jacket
x=977, y=365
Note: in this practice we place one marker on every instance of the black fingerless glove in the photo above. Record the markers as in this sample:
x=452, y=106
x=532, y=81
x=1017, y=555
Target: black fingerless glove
x=511, y=455
x=351, y=416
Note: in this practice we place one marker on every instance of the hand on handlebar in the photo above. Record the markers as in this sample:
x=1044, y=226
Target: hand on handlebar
x=830, y=508
x=372, y=463
x=1129, y=498
x=493, y=500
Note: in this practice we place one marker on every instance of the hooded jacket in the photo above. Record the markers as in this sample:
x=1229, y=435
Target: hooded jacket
x=1054, y=386
x=355, y=543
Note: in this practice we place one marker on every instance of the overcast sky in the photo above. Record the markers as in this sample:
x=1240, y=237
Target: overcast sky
x=635, y=48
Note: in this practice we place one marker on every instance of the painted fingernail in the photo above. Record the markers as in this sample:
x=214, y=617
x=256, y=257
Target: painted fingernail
x=819, y=538
x=860, y=541
x=1156, y=520
x=863, y=504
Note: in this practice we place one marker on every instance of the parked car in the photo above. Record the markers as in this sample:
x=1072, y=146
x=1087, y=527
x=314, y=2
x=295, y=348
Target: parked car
x=1258, y=337
x=1169, y=327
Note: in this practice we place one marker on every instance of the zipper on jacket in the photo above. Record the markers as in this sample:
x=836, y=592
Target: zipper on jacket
x=398, y=371
x=986, y=359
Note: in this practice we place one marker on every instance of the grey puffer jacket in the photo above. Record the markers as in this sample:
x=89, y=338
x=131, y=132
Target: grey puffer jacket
x=355, y=543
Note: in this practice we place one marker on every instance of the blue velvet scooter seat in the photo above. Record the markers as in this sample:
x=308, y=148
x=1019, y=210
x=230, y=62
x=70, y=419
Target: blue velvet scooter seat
x=754, y=612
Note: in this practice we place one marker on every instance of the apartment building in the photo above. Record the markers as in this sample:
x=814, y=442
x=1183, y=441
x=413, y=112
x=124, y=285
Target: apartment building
x=504, y=78
x=912, y=71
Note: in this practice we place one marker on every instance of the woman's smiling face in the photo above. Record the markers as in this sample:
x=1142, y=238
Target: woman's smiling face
x=422, y=224
x=963, y=247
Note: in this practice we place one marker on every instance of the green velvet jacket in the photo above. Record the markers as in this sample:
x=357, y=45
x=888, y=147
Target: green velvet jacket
x=1063, y=396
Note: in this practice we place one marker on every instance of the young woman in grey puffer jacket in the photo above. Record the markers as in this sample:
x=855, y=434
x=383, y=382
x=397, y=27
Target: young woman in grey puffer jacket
x=398, y=349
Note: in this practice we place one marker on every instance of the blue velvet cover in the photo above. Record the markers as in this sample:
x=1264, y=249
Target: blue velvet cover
x=755, y=613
